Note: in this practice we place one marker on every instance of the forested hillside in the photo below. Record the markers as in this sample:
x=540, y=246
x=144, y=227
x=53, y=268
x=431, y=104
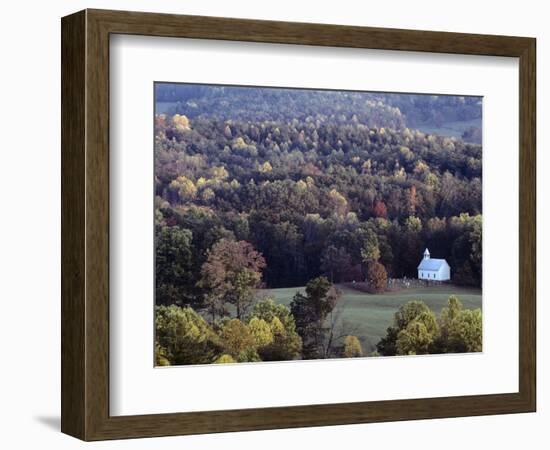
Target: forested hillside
x=303, y=187
x=290, y=185
x=368, y=108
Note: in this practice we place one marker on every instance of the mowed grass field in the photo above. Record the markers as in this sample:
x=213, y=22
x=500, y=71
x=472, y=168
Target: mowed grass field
x=368, y=315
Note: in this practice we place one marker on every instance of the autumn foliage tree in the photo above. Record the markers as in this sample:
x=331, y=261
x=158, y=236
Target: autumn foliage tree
x=285, y=344
x=184, y=337
x=261, y=332
x=238, y=341
x=380, y=209
x=337, y=202
x=352, y=347
x=377, y=278
x=461, y=329
x=231, y=274
x=225, y=359
x=419, y=335
x=371, y=250
x=416, y=330
x=181, y=122
x=184, y=188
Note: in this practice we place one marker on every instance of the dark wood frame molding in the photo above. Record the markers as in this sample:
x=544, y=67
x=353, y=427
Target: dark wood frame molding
x=85, y=224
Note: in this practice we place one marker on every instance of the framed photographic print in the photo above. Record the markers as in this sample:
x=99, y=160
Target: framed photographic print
x=270, y=224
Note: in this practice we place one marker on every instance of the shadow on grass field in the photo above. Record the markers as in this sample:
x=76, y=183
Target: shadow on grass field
x=368, y=315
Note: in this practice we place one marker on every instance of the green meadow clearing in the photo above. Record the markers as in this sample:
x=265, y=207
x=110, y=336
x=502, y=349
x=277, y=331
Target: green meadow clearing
x=368, y=315
x=450, y=129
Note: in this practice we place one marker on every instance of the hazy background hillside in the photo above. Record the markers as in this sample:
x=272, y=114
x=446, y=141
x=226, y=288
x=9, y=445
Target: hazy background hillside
x=447, y=115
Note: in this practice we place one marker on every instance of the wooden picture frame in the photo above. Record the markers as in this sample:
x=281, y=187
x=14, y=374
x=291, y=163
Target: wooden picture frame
x=85, y=224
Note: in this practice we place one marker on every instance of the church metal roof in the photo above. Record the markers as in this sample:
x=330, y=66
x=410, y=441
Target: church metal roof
x=431, y=264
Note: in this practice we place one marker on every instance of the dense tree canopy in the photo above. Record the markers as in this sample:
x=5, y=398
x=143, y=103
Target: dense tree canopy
x=173, y=266
x=184, y=337
x=269, y=188
x=374, y=108
x=416, y=330
x=303, y=186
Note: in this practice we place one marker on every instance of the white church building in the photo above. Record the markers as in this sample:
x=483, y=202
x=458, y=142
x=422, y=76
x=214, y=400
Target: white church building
x=433, y=269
